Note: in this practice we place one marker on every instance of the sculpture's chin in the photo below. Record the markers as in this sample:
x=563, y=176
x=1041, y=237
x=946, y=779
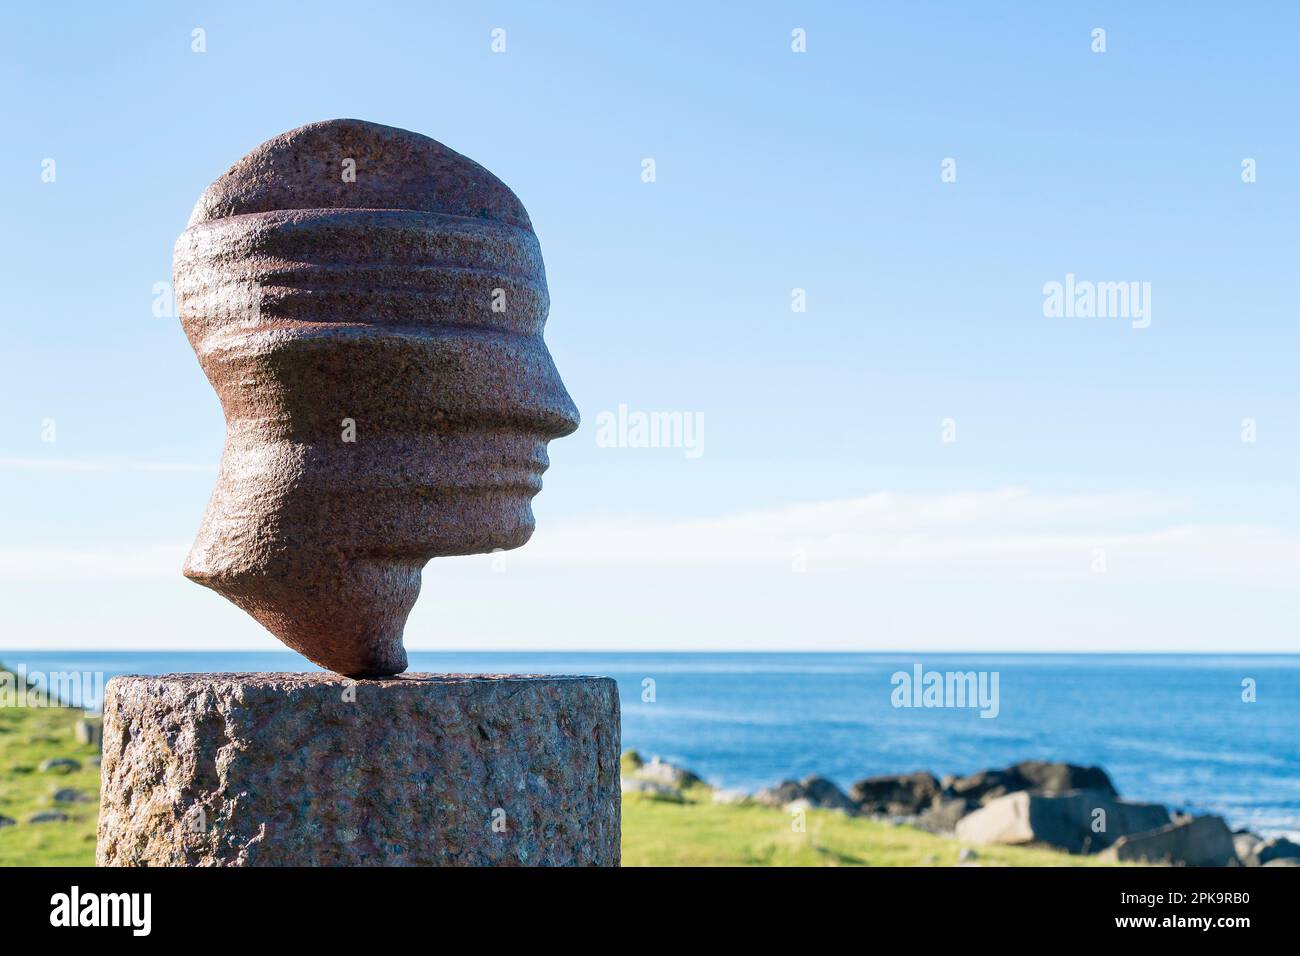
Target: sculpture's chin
x=334, y=574
x=345, y=615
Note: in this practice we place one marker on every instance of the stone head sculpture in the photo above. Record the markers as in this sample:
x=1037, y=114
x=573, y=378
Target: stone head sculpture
x=368, y=305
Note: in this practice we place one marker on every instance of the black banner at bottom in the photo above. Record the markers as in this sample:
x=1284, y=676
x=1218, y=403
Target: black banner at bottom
x=185, y=907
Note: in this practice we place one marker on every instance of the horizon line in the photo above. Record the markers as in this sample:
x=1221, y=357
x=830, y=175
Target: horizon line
x=579, y=650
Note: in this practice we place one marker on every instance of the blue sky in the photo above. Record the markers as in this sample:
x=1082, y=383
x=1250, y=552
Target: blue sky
x=775, y=170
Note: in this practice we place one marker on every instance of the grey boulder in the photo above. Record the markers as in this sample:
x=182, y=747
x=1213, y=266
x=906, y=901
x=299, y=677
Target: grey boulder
x=946, y=813
x=1047, y=777
x=90, y=730
x=651, y=789
x=59, y=765
x=1245, y=844
x=667, y=774
x=1081, y=821
x=1040, y=776
x=896, y=794
x=47, y=816
x=1200, y=841
x=1279, y=848
x=813, y=791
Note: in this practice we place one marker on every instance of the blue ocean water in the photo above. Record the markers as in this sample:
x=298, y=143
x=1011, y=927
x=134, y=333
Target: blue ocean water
x=1169, y=729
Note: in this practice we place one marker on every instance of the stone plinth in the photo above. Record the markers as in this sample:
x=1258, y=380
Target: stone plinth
x=319, y=770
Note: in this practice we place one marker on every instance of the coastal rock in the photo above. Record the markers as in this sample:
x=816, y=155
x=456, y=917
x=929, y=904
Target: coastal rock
x=984, y=785
x=59, y=765
x=896, y=794
x=1081, y=821
x=731, y=796
x=650, y=788
x=816, y=792
x=825, y=795
x=48, y=816
x=1200, y=841
x=787, y=791
x=90, y=731
x=368, y=305
x=310, y=769
x=666, y=774
x=1040, y=776
x=1283, y=861
x=631, y=761
x=944, y=815
x=1044, y=776
x=1278, y=848
x=1245, y=844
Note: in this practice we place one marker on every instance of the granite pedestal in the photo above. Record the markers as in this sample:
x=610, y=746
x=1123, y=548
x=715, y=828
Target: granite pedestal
x=319, y=770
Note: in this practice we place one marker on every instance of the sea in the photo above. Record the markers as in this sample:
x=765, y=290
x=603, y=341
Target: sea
x=1203, y=733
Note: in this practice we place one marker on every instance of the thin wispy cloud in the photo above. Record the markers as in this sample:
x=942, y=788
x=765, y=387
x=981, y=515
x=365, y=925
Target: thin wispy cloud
x=1011, y=534
x=1006, y=537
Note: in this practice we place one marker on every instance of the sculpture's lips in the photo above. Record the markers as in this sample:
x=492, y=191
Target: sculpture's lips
x=429, y=465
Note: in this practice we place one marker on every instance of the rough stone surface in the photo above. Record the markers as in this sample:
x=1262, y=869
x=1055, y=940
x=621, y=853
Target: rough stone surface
x=1065, y=821
x=314, y=769
x=1200, y=841
x=368, y=305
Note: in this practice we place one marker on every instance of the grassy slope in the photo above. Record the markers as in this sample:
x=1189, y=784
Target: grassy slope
x=702, y=833
x=29, y=735
x=655, y=832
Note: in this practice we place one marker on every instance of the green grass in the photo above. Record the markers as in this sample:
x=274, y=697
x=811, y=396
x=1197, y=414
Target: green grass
x=699, y=832
x=696, y=832
x=29, y=735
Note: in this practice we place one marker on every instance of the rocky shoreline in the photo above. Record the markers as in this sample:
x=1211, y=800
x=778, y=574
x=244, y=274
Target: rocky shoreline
x=1063, y=806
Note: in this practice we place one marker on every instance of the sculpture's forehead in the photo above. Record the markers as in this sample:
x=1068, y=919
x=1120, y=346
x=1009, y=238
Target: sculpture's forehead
x=353, y=164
